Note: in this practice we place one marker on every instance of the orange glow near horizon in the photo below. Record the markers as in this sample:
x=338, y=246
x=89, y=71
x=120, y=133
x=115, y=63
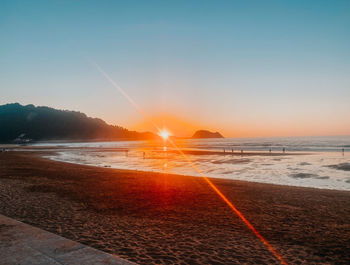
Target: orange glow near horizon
x=193, y=165
x=178, y=126
x=182, y=126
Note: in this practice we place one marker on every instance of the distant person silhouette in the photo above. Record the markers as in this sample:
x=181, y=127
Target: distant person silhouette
x=284, y=150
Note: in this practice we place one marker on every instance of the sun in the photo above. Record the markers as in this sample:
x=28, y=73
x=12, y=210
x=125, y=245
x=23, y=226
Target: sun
x=164, y=134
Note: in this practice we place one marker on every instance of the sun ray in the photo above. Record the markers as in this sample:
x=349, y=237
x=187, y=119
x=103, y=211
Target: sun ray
x=194, y=166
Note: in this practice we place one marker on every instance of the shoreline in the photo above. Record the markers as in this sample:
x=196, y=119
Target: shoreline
x=185, y=175
x=303, y=185
x=157, y=218
x=51, y=152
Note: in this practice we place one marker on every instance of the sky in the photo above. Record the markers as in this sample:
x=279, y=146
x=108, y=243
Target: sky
x=244, y=68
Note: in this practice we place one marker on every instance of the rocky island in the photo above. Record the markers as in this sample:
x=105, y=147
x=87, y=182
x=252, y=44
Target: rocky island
x=206, y=134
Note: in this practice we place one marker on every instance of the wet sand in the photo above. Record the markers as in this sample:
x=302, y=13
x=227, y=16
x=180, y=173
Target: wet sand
x=155, y=218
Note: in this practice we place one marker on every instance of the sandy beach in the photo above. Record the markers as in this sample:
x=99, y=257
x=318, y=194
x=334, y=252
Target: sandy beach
x=155, y=218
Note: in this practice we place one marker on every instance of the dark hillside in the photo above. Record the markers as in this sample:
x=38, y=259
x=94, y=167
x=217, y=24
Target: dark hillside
x=44, y=123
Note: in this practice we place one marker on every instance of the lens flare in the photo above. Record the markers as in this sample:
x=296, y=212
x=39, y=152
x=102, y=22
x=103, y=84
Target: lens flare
x=194, y=166
x=164, y=134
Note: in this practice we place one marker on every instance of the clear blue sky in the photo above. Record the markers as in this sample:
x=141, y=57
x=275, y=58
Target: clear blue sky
x=247, y=68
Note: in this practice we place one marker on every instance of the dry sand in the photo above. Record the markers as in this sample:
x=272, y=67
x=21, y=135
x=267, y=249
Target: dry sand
x=154, y=218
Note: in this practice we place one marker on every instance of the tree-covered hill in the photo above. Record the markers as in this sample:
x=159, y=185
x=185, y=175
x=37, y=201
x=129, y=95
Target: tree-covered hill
x=44, y=123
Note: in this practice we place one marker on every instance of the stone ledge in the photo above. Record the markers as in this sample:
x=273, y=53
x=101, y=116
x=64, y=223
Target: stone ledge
x=22, y=244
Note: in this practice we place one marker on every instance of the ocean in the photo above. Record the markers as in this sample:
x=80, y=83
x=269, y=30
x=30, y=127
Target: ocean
x=317, y=162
